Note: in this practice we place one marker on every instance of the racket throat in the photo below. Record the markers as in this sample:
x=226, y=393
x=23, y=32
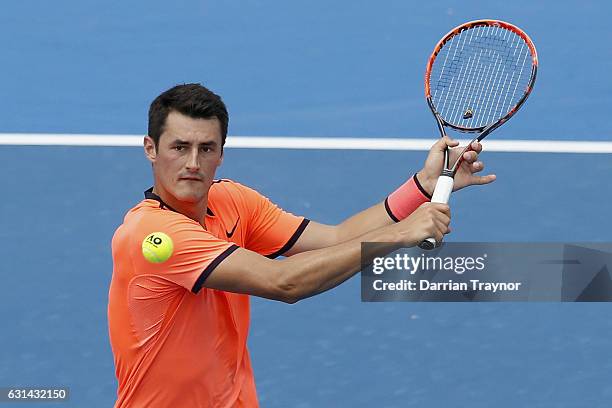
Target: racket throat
x=448, y=173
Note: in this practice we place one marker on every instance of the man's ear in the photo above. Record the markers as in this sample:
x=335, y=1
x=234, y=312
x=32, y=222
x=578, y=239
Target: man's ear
x=221, y=159
x=149, y=149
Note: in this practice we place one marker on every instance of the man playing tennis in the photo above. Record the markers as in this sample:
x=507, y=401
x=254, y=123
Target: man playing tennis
x=178, y=328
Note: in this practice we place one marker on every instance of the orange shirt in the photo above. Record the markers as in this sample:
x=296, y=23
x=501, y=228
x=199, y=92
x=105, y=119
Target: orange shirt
x=175, y=342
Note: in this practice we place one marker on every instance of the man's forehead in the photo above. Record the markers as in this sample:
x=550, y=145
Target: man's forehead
x=194, y=130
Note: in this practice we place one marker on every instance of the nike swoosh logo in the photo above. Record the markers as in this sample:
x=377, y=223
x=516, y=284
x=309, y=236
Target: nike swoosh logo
x=230, y=233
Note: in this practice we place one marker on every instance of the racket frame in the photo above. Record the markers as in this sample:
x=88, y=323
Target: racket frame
x=444, y=185
x=485, y=129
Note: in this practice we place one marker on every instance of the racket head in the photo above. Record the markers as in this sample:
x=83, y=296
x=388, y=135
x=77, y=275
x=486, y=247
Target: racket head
x=479, y=74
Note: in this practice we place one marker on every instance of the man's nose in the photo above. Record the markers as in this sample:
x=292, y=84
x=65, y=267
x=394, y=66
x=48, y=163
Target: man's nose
x=192, y=162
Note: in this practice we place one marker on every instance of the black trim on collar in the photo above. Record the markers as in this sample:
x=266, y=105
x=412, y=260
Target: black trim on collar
x=150, y=195
x=211, y=266
x=298, y=232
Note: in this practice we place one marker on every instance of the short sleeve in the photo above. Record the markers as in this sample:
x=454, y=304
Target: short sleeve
x=271, y=231
x=195, y=252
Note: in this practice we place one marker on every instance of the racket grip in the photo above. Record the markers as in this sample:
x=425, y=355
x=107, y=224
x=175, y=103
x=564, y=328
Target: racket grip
x=441, y=194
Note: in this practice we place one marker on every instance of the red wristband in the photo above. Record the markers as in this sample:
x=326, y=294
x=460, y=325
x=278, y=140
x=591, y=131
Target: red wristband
x=407, y=198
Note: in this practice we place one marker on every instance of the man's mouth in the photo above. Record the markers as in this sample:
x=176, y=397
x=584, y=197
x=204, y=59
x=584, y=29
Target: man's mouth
x=190, y=178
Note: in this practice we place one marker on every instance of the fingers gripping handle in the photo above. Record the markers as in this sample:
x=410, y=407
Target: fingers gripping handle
x=441, y=194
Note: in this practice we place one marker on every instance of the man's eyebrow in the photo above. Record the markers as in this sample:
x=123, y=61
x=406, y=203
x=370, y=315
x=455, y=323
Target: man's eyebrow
x=209, y=143
x=186, y=143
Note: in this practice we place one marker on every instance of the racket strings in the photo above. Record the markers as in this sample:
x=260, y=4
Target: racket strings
x=479, y=75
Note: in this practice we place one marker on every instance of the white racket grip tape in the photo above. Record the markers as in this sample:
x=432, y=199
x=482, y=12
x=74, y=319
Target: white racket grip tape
x=441, y=194
x=443, y=189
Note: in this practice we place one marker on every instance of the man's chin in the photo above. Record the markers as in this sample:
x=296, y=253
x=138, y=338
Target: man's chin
x=189, y=196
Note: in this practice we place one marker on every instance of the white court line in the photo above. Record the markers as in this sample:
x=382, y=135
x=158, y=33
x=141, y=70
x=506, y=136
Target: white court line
x=315, y=143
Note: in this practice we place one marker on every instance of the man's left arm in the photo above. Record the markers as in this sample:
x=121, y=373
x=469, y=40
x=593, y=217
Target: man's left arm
x=317, y=235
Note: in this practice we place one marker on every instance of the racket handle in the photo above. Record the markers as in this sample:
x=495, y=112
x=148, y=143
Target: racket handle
x=441, y=194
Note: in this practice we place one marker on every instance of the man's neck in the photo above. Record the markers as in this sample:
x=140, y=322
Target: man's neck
x=195, y=211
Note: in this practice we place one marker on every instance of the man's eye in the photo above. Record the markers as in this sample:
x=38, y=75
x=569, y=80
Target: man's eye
x=205, y=149
x=179, y=148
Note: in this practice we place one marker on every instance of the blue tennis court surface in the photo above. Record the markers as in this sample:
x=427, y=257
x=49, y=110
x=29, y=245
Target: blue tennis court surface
x=351, y=69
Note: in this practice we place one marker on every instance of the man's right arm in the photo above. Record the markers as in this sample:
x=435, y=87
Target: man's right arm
x=312, y=272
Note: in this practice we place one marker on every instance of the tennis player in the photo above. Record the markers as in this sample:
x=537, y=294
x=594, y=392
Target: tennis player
x=178, y=329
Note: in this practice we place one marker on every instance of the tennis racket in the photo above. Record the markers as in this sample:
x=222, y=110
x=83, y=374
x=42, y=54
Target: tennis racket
x=477, y=77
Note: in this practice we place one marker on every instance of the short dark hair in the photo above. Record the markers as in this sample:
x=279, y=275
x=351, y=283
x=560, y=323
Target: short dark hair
x=193, y=100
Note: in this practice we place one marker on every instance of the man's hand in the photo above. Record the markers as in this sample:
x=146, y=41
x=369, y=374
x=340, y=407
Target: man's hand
x=427, y=221
x=466, y=174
